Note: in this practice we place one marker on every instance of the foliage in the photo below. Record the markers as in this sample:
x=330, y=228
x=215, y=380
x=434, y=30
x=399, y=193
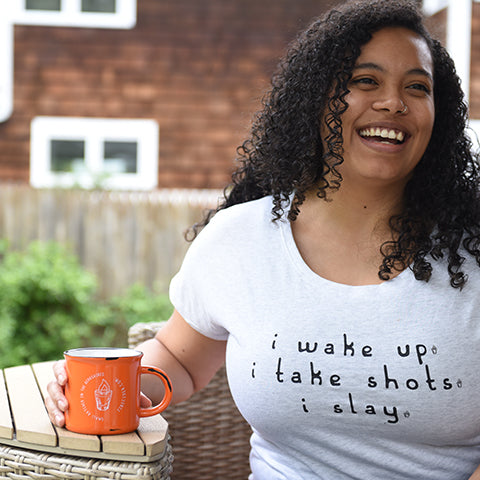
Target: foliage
x=140, y=305
x=48, y=303
x=137, y=305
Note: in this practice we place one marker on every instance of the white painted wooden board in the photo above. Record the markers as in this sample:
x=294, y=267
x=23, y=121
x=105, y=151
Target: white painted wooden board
x=29, y=413
x=154, y=433
x=6, y=426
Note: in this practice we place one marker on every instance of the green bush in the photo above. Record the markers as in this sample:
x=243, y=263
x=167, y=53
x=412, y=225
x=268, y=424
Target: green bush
x=48, y=303
x=137, y=305
x=140, y=305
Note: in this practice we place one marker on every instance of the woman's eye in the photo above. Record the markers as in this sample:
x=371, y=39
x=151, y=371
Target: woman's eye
x=364, y=81
x=420, y=87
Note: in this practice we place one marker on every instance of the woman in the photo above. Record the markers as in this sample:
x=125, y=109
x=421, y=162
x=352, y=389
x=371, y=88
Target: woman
x=340, y=277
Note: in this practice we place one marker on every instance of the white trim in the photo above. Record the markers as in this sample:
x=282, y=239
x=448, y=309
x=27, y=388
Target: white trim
x=459, y=45
x=72, y=16
x=474, y=133
x=459, y=34
x=94, y=131
x=459, y=39
x=431, y=7
x=6, y=64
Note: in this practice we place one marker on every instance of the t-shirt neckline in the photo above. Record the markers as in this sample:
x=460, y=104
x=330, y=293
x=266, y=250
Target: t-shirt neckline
x=310, y=276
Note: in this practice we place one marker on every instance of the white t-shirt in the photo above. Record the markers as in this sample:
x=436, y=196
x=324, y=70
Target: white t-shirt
x=339, y=382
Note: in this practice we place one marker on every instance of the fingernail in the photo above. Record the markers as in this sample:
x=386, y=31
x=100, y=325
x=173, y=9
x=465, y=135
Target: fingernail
x=62, y=405
x=58, y=419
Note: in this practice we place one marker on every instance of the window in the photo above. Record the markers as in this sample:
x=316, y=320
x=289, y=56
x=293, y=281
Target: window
x=54, y=5
x=105, y=6
x=76, y=13
x=94, y=152
x=67, y=155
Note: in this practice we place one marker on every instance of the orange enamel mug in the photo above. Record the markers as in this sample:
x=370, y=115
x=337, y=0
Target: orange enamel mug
x=103, y=390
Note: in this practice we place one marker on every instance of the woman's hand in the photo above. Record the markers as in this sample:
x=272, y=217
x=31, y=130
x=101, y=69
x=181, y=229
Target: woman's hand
x=190, y=358
x=56, y=402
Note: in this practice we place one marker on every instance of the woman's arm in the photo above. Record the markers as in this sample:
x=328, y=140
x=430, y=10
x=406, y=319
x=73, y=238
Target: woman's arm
x=189, y=358
x=475, y=475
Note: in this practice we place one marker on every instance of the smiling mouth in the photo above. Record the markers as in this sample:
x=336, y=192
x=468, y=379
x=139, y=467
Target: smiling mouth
x=387, y=136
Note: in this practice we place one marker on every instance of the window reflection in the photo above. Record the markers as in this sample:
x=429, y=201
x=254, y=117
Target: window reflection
x=67, y=155
x=107, y=6
x=120, y=157
x=54, y=5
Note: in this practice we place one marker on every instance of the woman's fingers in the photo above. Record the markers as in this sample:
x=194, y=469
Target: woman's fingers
x=56, y=401
x=57, y=417
x=60, y=372
x=145, y=402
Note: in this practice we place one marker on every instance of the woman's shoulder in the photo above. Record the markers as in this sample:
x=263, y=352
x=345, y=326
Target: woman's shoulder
x=260, y=205
x=241, y=224
x=255, y=211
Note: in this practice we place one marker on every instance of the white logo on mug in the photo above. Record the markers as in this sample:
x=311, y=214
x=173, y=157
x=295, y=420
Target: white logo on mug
x=103, y=396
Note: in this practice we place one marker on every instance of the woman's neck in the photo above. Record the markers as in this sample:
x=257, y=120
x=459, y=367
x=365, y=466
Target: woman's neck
x=358, y=213
x=340, y=238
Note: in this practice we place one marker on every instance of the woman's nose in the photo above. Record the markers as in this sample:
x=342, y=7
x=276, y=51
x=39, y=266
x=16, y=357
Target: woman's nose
x=391, y=103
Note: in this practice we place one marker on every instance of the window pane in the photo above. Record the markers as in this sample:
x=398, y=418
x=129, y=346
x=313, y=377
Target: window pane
x=107, y=6
x=120, y=157
x=67, y=156
x=43, y=5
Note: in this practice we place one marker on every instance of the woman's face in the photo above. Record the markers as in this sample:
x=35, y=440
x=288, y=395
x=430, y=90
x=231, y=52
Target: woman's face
x=383, y=141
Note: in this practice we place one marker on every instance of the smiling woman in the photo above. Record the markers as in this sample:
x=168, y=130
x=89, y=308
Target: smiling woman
x=333, y=277
x=390, y=115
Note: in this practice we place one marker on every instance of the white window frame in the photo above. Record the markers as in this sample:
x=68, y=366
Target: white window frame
x=431, y=7
x=94, y=131
x=459, y=44
x=6, y=65
x=71, y=15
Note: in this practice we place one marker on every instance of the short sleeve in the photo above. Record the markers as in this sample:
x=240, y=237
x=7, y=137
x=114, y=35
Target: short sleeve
x=195, y=289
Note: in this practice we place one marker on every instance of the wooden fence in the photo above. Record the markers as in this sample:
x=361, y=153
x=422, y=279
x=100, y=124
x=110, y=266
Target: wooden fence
x=121, y=237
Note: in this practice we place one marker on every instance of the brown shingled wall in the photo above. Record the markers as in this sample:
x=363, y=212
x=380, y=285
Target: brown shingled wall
x=475, y=63
x=198, y=67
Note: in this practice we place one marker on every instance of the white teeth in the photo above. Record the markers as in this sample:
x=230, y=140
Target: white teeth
x=383, y=133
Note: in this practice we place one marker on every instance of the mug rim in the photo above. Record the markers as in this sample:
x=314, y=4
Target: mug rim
x=103, y=352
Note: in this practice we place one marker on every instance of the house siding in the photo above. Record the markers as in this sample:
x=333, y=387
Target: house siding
x=199, y=68
x=475, y=63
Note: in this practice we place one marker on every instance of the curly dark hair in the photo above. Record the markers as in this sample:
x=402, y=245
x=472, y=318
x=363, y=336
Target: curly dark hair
x=285, y=155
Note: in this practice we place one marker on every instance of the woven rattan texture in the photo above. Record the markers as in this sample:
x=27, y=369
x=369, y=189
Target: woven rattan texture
x=210, y=439
x=19, y=464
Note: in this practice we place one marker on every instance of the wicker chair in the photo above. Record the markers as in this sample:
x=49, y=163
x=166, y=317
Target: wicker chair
x=210, y=438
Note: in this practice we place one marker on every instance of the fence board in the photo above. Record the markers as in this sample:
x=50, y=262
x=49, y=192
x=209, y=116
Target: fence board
x=122, y=237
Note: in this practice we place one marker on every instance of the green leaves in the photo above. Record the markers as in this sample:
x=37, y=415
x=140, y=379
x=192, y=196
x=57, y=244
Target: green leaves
x=49, y=303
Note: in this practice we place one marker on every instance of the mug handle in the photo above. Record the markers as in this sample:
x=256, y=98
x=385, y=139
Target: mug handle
x=148, y=412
